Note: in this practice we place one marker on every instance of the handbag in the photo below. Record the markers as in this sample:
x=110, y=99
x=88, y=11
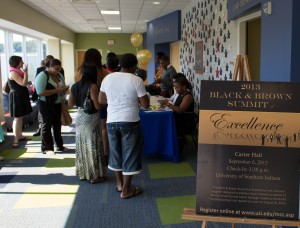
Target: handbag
x=65, y=117
x=6, y=87
x=88, y=106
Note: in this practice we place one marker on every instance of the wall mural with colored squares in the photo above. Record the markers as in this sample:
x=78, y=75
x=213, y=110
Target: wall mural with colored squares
x=208, y=43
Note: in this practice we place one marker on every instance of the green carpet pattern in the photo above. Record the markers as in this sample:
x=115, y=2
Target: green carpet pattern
x=38, y=190
x=169, y=170
x=11, y=154
x=60, y=163
x=170, y=208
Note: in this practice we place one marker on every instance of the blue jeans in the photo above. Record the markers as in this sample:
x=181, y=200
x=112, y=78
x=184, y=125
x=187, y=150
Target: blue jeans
x=126, y=147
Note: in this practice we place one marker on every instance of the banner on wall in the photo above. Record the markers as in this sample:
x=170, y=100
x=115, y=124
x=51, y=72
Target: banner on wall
x=199, y=57
x=248, y=153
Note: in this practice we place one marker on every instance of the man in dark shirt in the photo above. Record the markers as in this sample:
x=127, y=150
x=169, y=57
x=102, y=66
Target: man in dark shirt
x=166, y=81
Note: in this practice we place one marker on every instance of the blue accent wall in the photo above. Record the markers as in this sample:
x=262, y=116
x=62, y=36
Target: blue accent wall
x=296, y=42
x=237, y=8
x=280, y=35
x=160, y=33
x=276, y=42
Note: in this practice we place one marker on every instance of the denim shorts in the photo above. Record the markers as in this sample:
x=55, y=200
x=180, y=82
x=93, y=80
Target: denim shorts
x=126, y=146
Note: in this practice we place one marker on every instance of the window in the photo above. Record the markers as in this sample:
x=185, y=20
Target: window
x=3, y=58
x=44, y=49
x=31, y=56
x=17, y=45
x=32, y=51
x=1, y=42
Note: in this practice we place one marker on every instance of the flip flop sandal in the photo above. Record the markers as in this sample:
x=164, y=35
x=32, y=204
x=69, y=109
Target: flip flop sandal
x=15, y=145
x=135, y=192
x=117, y=189
x=98, y=180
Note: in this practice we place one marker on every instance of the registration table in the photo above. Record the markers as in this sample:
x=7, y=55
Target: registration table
x=160, y=138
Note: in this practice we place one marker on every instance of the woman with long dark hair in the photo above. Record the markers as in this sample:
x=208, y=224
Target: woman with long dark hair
x=89, y=146
x=93, y=56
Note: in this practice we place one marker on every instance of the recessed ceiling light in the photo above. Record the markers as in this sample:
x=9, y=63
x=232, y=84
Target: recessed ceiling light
x=116, y=12
x=155, y=3
x=114, y=28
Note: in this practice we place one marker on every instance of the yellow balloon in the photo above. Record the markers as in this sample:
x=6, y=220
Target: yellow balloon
x=136, y=39
x=143, y=66
x=144, y=56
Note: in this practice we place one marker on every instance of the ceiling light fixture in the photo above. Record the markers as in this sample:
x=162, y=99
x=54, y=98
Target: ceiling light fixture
x=155, y=3
x=114, y=12
x=114, y=28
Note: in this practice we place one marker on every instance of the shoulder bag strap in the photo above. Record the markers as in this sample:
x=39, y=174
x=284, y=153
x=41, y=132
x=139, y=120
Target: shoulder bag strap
x=47, y=74
x=88, y=91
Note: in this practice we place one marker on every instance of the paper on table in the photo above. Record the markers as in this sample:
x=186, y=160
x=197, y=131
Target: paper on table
x=159, y=109
x=154, y=100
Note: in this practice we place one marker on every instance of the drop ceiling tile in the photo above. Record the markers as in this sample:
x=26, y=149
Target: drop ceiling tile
x=132, y=12
x=103, y=30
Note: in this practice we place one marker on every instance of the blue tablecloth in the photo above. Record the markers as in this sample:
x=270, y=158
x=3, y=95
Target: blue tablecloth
x=160, y=137
x=1, y=134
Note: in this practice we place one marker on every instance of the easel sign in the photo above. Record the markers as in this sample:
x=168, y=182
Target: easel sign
x=241, y=70
x=248, y=151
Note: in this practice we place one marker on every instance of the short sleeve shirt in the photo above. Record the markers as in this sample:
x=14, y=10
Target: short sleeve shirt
x=41, y=82
x=122, y=92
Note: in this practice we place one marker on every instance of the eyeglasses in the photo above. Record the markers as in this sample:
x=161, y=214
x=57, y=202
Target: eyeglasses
x=57, y=68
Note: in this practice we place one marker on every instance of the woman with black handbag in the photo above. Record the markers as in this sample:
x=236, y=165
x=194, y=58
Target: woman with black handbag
x=90, y=158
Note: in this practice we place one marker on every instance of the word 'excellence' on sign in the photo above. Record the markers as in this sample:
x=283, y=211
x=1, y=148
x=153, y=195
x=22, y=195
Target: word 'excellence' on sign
x=248, y=150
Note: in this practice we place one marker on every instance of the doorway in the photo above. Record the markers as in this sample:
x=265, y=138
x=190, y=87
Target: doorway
x=253, y=47
x=250, y=42
x=174, y=55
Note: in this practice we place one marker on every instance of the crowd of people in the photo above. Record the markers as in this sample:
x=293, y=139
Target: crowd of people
x=109, y=135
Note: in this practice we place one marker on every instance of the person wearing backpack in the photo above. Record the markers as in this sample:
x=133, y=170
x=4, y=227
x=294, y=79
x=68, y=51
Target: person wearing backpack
x=50, y=86
x=34, y=95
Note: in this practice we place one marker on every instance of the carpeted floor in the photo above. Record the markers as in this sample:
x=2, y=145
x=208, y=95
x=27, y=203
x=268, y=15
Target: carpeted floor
x=39, y=190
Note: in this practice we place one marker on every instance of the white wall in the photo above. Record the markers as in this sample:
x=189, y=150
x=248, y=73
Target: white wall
x=21, y=14
x=67, y=59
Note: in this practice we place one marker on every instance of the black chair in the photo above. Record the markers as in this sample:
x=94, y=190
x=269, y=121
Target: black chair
x=193, y=133
x=194, y=136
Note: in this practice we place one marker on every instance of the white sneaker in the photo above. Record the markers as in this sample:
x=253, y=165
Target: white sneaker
x=49, y=152
x=1, y=158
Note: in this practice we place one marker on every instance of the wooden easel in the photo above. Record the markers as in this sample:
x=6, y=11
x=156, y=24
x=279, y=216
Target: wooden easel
x=190, y=214
x=241, y=69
